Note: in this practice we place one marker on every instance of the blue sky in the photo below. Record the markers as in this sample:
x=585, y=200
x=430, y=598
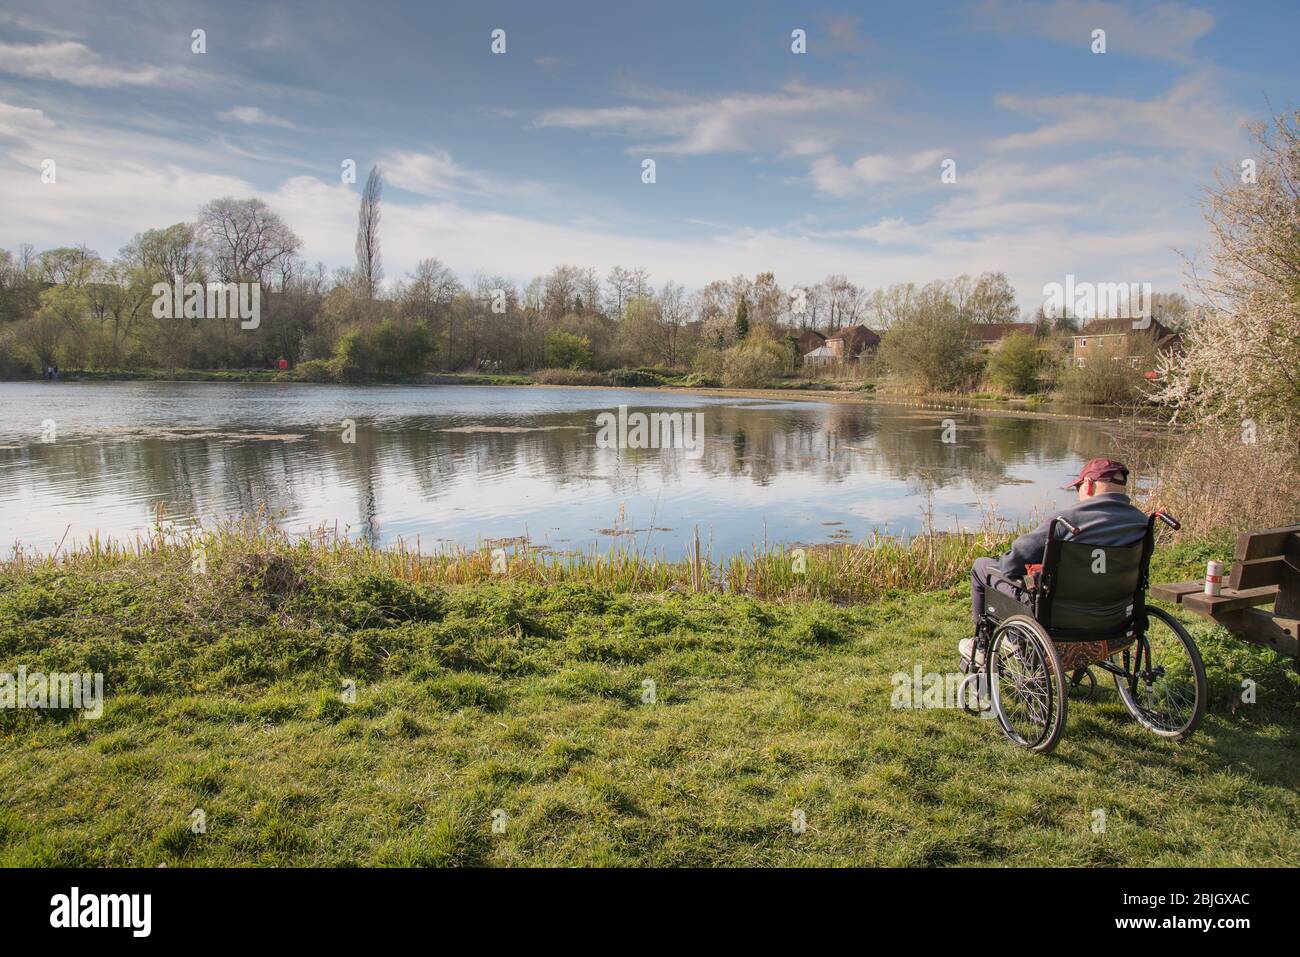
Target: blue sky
x=1067, y=161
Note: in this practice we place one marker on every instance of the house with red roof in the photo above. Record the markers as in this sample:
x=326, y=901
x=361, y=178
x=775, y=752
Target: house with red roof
x=991, y=335
x=852, y=343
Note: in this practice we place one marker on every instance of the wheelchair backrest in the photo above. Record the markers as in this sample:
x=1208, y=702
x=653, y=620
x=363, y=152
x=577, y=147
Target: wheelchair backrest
x=1091, y=590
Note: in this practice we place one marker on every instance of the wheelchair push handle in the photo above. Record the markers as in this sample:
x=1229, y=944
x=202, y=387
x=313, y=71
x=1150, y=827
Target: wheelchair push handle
x=1167, y=519
x=1069, y=526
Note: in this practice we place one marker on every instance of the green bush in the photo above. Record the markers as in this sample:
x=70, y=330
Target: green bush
x=1015, y=366
x=634, y=377
x=698, y=380
x=564, y=350
x=317, y=370
x=392, y=347
x=931, y=347
x=753, y=362
x=12, y=366
x=569, y=377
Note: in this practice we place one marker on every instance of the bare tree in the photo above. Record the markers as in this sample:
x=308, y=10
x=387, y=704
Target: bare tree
x=561, y=291
x=370, y=262
x=717, y=315
x=991, y=299
x=245, y=238
x=246, y=242
x=888, y=306
x=26, y=259
x=804, y=306
x=674, y=309
x=845, y=301
x=1172, y=309
x=429, y=292
x=496, y=323
x=624, y=286
x=765, y=300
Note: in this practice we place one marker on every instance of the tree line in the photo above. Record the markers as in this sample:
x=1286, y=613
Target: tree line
x=72, y=308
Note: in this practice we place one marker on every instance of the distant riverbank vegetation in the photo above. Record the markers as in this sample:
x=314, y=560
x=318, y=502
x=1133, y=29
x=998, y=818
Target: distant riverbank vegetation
x=73, y=309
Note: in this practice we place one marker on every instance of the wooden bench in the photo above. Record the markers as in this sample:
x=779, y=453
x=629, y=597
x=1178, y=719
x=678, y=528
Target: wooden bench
x=1266, y=570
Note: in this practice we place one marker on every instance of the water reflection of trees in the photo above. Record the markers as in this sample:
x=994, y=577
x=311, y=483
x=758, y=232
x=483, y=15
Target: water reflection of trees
x=834, y=443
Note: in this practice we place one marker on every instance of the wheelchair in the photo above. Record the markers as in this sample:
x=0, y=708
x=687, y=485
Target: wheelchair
x=1085, y=609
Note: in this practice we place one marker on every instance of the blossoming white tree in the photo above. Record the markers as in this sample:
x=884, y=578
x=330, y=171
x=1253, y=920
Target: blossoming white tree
x=1242, y=360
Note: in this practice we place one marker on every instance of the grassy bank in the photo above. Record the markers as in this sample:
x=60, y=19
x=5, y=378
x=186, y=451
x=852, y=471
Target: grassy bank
x=523, y=694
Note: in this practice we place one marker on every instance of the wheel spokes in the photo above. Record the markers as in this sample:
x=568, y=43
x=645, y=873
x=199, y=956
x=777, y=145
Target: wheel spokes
x=1168, y=698
x=1025, y=688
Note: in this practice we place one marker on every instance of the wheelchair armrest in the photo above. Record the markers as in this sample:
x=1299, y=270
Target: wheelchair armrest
x=1000, y=606
x=1017, y=582
x=1026, y=587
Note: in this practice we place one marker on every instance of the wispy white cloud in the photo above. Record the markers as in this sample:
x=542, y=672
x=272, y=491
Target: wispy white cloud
x=18, y=120
x=831, y=176
x=1086, y=195
x=1191, y=116
x=799, y=118
x=135, y=196
x=437, y=173
x=952, y=220
x=253, y=116
x=71, y=62
x=427, y=173
x=1167, y=31
x=112, y=180
x=33, y=25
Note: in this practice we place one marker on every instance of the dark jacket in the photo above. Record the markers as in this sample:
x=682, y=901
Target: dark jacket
x=1109, y=519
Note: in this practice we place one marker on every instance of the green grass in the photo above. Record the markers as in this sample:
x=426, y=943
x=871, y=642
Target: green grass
x=525, y=697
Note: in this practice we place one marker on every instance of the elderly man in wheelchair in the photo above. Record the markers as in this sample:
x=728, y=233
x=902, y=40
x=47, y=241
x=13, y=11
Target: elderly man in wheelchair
x=1071, y=596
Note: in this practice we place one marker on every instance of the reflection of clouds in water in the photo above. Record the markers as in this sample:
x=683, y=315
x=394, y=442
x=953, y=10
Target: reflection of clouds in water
x=467, y=464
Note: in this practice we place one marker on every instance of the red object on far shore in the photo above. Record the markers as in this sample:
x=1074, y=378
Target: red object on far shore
x=1151, y=374
x=284, y=364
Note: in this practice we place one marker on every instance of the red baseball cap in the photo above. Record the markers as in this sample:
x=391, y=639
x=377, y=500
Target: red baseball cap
x=1102, y=470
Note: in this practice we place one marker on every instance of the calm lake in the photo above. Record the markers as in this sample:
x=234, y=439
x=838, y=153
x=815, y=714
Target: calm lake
x=468, y=465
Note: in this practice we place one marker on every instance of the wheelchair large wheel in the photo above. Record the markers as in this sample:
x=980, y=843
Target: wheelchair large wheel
x=1169, y=697
x=1027, y=684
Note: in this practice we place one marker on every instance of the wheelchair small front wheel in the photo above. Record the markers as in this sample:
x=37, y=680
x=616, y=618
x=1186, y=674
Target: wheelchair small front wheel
x=1085, y=682
x=971, y=695
x=1164, y=687
x=1027, y=684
